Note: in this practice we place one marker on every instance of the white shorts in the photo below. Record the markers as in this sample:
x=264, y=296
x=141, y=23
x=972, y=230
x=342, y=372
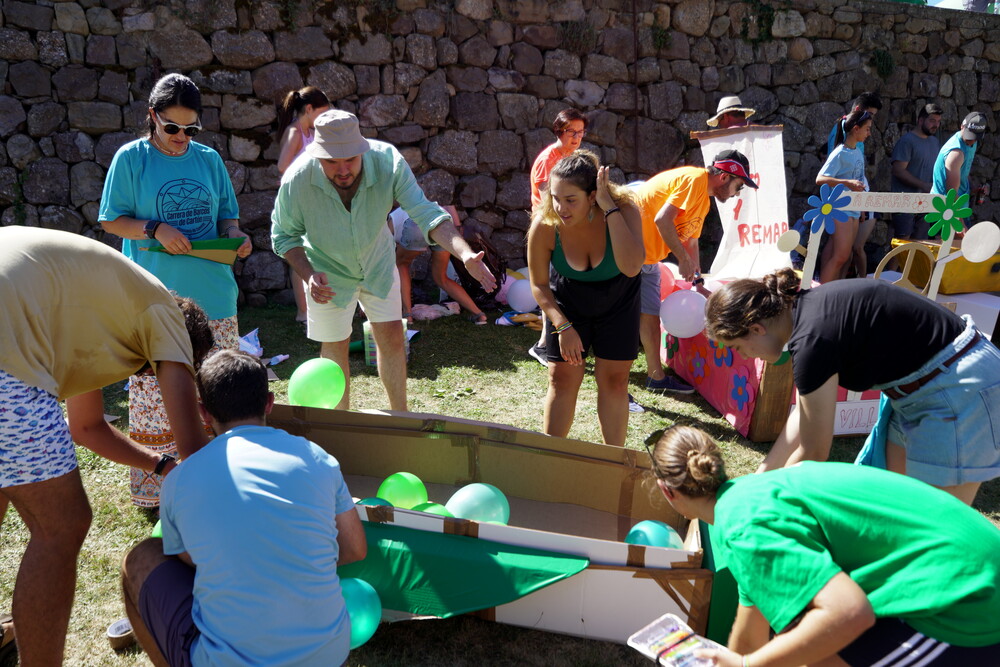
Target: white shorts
x=327, y=323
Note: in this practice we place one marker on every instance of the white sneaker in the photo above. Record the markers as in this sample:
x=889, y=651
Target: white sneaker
x=538, y=352
x=634, y=406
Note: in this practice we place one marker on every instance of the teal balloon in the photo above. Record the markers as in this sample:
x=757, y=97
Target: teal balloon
x=654, y=534
x=434, y=508
x=157, y=530
x=480, y=502
x=375, y=501
x=403, y=489
x=364, y=607
x=317, y=383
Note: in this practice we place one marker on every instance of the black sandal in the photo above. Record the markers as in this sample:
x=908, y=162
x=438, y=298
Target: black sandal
x=8, y=647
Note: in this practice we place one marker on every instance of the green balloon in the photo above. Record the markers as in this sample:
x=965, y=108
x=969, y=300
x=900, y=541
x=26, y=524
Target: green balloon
x=403, y=489
x=480, y=502
x=375, y=501
x=364, y=608
x=157, y=530
x=317, y=383
x=434, y=508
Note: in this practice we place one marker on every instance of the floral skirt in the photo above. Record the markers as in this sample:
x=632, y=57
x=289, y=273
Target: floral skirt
x=147, y=419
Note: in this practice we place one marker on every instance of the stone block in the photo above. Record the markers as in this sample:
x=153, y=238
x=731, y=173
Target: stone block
x=517, y=112
x=500, y=33
x=623, y=97
x=11, y=115
x=431, y=106
x=429, y=22
x=239, y=113
x=685, y=72
x=182, y=49
x=602, y=127
x=71, y=18
x=439, y=186
x=46, y=181
x=542, y=87
x=562, y=64
x=103, y=21
x=447, y=52
x=44, y=118
x=95, y=117
x=505, y=80
x=475, y=111
x=514, y=192
x=455, y=151
x=407, y=76
x=382, y=110
x=477, y=52
x=421, y=51
x=131, y=49
x=142, y=22
x=604, y=69
x=27, y=15
x=368, y=79
x=535, y=141
x=73, y=146
x=108, y=144
x=255, y=209
x=236, y=82
x=542, y=36
x=263, y=271
x=788, y=23
x=499, y=151
x=658, y=147
x=243, y=148
x=16, y=45
x=86, y=182
x=334, y=79
x=101, y=50
x=377, y=50
x=61, y=219
x=237, y=175
x=477, y=190
x=29, y=79
x=693, y=17
x=478, y=10
x=22, y=150
x=619, y=43
x=242, y=50
x=468, y=79
x=665, y=100
x=272, y=81
x=582, y=93
x=403, y=134
x=266, y=177
x=52, y=48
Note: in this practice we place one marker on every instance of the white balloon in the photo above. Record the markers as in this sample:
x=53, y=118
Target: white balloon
x=683, y=314
x=981, y=242
x=520, y=298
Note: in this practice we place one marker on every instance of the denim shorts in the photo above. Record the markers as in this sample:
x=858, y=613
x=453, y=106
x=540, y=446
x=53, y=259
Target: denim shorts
x=950, y=427
x=35, y=444
x=411, y=238
x=649, y=298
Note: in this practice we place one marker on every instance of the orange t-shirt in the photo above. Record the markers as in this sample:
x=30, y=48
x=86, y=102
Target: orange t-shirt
x=540, y=171
x=685, y=188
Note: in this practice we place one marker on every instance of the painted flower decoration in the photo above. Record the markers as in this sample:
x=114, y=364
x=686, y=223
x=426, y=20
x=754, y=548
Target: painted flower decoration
x=827, y=208
x=723, y=355
x=673, y=344
x=740, y=392
x=947, y=218
x=699, y=365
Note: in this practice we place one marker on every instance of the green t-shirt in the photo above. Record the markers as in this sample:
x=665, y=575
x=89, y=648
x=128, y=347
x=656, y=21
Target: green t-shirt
x=918, y=553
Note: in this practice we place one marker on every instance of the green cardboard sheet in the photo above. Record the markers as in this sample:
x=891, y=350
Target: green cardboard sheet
x=436, y=574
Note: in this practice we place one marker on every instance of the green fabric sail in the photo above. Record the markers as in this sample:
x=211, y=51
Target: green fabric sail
x=435, y=574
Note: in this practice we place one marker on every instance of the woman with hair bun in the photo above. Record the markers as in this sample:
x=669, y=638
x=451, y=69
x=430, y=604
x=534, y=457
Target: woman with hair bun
x=848, y=564
x=591, y=232
x=941, y=375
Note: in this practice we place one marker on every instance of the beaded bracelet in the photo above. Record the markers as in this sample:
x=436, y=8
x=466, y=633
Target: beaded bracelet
x=559, y=329
x=612, y=210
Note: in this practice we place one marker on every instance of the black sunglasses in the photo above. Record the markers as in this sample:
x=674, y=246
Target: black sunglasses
x=174, y=128
x=651, y=441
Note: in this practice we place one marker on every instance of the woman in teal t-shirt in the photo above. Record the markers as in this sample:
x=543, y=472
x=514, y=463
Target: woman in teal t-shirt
x=591, y=232
x=841, y=561
x=167, y=190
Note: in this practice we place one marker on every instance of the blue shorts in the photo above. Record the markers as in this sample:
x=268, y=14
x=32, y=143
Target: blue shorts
x=35, y=444
x=165, y=604
x=649, y=295
x=950, y=427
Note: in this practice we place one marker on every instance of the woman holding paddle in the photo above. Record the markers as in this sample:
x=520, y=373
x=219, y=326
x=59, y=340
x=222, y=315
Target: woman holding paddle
x=167, y=190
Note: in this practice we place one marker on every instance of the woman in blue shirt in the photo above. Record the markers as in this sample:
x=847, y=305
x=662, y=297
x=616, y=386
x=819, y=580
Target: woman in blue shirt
x=165, y=189
x=846, y=166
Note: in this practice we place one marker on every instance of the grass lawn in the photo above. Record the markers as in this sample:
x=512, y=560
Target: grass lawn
x=457, y=369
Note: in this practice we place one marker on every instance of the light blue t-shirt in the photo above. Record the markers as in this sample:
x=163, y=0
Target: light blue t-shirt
x=846, y=163
x=831, y=141
x=256, y=511
x=190, y=192
x=941, y=176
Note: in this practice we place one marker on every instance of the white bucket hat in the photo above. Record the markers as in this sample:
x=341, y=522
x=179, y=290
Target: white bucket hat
x=336, y=136
x=730, y=104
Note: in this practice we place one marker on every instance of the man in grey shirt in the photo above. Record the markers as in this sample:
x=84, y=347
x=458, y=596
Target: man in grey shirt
x=912, y=168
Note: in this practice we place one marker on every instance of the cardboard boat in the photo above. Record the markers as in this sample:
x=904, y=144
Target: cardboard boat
x=566, y=496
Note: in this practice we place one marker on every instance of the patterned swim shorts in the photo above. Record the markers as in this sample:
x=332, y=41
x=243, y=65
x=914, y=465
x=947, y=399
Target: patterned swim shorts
x=35, y=444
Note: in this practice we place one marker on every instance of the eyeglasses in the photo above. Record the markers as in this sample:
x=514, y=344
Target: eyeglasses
x=174, y=128
x=578, y=134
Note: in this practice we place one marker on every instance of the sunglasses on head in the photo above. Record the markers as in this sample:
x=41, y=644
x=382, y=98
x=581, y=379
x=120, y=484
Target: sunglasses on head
x=174, y=128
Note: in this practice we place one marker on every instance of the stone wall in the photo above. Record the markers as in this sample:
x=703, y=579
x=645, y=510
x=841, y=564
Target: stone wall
x=467, y=89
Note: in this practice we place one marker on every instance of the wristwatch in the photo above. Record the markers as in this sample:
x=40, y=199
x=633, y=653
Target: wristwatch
x=162, y=463
x=150, y=229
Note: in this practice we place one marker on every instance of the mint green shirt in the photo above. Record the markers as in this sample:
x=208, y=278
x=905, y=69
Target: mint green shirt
x=353, y=248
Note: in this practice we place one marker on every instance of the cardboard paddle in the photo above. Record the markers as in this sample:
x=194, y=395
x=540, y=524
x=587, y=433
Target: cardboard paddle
x=222, y=251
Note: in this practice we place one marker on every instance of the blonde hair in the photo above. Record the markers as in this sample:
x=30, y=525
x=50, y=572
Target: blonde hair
x=579, y=168
x=686, y=459
x=733, y=309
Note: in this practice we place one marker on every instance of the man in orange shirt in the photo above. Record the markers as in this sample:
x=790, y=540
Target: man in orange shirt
x=673, y=205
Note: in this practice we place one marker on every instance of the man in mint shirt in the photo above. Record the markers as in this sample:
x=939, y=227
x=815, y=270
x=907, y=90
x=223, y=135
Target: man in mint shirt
x=954, y=161
x=329, y=223
x=255, y=525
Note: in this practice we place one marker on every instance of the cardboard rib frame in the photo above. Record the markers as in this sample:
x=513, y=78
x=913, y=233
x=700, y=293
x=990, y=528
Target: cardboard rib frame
x=624, y=587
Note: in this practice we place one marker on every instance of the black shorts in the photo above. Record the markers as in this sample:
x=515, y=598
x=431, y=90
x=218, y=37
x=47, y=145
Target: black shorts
x=893, y=643
x=604, y=313
x=165, y=603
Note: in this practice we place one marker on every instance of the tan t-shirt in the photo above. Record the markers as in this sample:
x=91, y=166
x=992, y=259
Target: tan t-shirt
x=78, y=315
